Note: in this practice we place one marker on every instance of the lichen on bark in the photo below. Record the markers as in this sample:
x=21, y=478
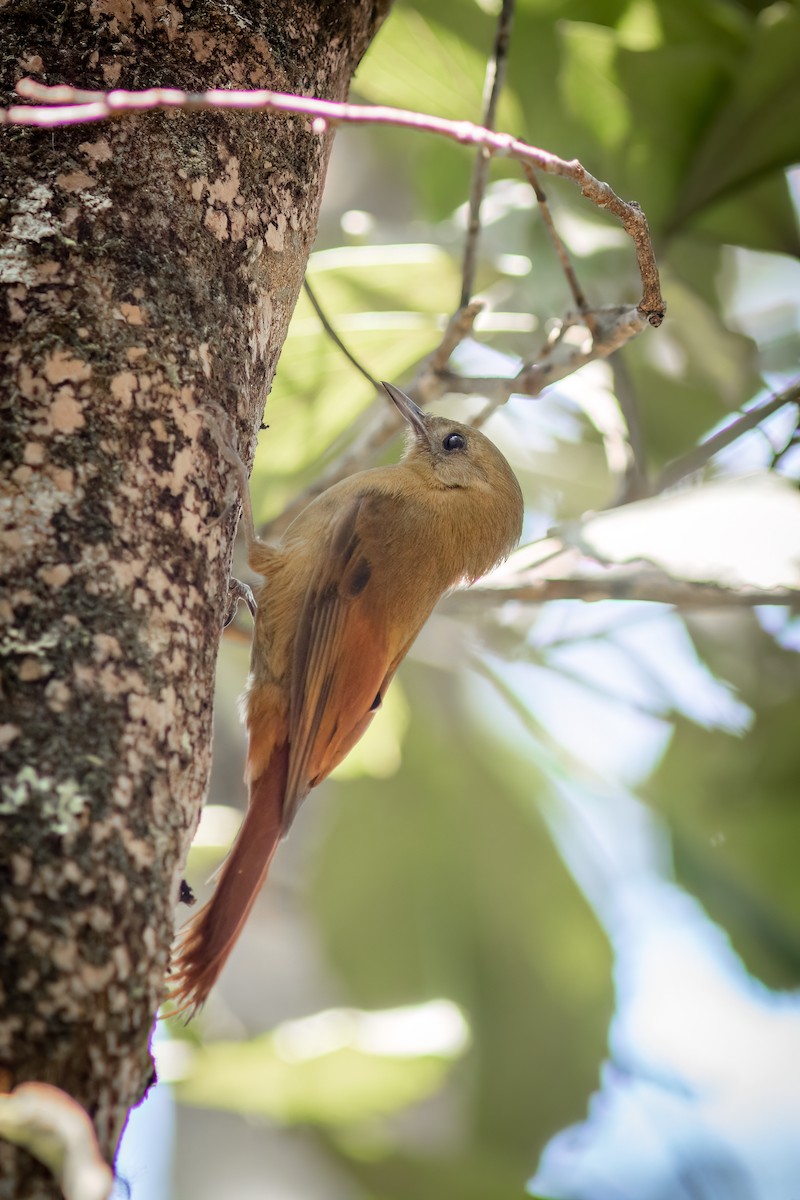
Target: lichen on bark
x=148, y=270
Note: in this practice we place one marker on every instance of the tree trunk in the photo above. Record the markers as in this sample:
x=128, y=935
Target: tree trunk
x=149, y=269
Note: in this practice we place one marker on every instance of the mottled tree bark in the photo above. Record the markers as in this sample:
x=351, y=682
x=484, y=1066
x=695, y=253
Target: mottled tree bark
x=149, y=268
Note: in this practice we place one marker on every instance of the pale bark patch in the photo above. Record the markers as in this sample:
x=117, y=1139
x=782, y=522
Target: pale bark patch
x=217, y=222
x=21, y=869
x=31, y=669
x=63, y=478
x=106, y=646
x=123, y=387
x=58, y=696
x=121, y=13
x=183, y=463
x=55, y=577
x=237, y=221
x=46, y=271
x=262, y=324
x=75, y=181
x=112, y=72
x=134, y=314
x=202, y=44
x=8, y=734
x=62, y=366
x=275, y=234
x=66, y=414
x=99, y=151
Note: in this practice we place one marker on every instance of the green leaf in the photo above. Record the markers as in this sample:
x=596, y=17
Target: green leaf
x=472, y=1174
x=760, y=217
x=420, y=64
x=671, y=90
x=589, y=85
x=757, y=128
x=705, y=23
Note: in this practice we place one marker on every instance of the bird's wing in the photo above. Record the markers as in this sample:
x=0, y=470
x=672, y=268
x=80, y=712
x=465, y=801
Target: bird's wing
x=341, y=652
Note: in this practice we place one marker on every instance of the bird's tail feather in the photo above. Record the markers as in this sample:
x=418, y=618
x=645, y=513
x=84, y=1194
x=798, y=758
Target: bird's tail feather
x=208, y=938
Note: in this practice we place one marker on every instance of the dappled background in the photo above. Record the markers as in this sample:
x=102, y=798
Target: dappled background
x=542, y=925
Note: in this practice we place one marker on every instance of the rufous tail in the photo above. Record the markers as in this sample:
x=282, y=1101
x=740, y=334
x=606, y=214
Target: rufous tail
x=208, y=938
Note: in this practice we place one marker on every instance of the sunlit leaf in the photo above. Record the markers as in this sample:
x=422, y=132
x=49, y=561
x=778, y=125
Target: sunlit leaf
x=694, y=370
x=670, y=90
x=419, y=63
x=735, y=532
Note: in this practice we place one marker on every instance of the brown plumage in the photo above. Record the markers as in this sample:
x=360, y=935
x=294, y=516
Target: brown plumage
x=345, y=593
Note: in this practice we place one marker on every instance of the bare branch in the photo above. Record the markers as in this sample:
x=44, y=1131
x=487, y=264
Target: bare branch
x=698, y=457
x=614, y=326
x=493, y=85
x=458, y=327
x=631, y=582
x=69, y=106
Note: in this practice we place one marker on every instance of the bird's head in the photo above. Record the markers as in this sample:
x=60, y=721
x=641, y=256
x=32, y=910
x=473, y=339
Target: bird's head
x=449, y=455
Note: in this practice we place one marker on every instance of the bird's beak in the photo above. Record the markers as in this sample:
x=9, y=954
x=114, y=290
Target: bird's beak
x=408, y=409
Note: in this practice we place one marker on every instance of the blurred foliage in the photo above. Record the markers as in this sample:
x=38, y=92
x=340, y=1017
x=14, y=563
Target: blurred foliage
x=732, y=802
x=340, y=1088
x=435, y=873
x=446, y=902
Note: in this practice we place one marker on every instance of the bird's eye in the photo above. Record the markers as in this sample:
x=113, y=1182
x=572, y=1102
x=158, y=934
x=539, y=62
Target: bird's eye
x=454, y=441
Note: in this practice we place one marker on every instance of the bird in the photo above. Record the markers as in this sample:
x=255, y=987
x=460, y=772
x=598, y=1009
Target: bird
x=344, y=594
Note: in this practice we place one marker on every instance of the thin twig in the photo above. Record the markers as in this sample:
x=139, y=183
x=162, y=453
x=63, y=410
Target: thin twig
x=578, y=293
x=634, y=484
x=333, y=335
x=493, y=85
x=69, y=106
x=613, y=326
x=790, y=443
x=698, y=457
